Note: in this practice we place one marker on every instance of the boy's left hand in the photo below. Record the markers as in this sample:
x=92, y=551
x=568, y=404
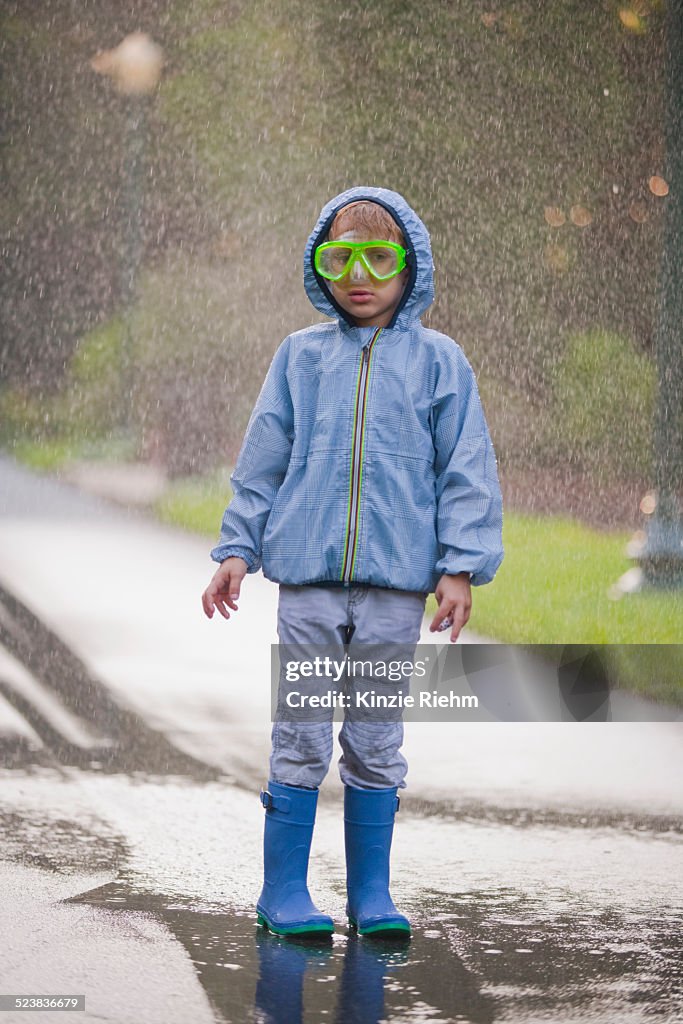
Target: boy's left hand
x=454, y=595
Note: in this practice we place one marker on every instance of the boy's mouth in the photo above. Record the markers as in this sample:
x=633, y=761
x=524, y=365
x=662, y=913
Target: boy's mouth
x=360, y=294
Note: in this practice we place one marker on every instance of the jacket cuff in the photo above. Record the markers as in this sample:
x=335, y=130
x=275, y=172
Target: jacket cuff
x=223, y=551
x=478, y=575
x=455, y=572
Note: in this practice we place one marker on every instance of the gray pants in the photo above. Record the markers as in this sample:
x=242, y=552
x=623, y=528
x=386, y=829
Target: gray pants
x=342, y=619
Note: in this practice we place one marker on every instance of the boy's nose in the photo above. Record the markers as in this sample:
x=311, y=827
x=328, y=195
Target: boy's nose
x=358, y=271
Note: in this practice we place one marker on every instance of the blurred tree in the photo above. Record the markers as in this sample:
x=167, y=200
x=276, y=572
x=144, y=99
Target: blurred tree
x=525, y=135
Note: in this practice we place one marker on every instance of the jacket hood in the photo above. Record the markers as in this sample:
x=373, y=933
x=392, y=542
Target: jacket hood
x=419, y=290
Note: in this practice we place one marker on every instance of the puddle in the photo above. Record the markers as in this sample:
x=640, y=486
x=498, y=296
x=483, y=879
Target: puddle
x=473, y=964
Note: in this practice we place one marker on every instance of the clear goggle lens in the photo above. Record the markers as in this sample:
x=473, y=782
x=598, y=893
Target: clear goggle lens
x=333, y=260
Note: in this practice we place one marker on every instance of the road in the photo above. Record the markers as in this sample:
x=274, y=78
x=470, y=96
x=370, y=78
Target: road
x=539, y=862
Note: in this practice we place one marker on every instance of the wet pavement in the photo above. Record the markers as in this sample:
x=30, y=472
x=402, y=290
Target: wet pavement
x=512, y=920
x=540, y=863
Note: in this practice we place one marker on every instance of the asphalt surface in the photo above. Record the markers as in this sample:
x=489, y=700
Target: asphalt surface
x=540, y=862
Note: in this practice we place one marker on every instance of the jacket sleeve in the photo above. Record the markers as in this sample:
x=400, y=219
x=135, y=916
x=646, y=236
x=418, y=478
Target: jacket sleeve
x=261, y=467
x=469, y=502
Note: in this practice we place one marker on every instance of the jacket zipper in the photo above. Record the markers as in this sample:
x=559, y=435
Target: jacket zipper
x=353, y=516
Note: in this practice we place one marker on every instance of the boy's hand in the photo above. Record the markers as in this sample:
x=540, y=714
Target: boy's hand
x=454, y=595
x=224, y=588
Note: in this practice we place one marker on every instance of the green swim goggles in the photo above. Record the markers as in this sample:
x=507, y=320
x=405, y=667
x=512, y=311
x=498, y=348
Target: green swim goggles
x=383, y=260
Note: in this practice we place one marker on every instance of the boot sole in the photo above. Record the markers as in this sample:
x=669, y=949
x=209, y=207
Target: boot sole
x=386, y=929
x=301, y=929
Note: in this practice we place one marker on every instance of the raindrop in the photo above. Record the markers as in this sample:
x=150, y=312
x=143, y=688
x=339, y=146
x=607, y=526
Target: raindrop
x=580, y=216
x=631, y=20
x=554, y=216
x=637, y=211
x=658, y=186
x=134, y=65
x=556, y=257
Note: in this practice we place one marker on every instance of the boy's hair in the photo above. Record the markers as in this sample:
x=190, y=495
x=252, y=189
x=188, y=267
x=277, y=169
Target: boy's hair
x=366, y=217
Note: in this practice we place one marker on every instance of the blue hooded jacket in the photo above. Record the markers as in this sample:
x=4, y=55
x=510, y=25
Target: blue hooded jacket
x=367, y=458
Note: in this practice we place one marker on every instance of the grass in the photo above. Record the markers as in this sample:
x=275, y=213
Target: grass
x=50, y=455
x=552, y=588
x=45, y=456
x=196, y=503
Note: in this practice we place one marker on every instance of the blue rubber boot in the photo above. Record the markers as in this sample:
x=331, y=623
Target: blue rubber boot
x=368, y=829
x=285, y=906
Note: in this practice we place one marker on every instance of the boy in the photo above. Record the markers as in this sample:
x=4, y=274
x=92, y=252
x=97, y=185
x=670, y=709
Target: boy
x=366, y=479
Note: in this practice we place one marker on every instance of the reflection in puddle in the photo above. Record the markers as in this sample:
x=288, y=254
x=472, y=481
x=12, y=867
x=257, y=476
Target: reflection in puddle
x=251, y=974
x=484, y=957
x=283, y=966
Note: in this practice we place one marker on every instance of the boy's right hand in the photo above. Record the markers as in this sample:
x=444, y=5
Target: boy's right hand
x=224, y=588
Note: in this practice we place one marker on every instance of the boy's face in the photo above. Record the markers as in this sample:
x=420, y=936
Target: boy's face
x=370, y=303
